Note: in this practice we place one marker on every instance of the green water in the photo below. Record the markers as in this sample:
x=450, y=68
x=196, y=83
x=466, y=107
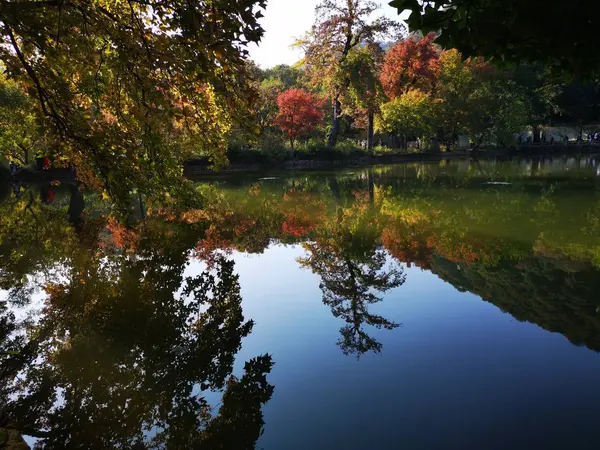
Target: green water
x=443, y=305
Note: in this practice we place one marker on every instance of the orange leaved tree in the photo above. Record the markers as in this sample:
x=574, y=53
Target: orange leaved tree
x=300, y=112
x=410, y=64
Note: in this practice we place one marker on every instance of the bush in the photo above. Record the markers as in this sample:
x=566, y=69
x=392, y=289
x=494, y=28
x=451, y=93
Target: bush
x=318, y=149
x=350, y=148
x=245, y=155
x=346, y=146
x=313, y=148
x=270, y=148
x=380, y=150
x=273, y=148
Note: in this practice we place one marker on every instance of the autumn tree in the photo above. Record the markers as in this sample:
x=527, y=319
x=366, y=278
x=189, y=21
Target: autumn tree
x=299, y=113
x=365, y=92
x=130, y=88
x=341, y=26
x=410, y=64
x=268, y=84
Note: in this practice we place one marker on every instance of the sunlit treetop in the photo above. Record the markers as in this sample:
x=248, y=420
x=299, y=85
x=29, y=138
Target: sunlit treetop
x=410, y=64
x=340, y=26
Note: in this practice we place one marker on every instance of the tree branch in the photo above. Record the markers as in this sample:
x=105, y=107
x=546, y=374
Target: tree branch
x=30, y=71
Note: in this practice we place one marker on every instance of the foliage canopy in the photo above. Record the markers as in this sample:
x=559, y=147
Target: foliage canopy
x=560, y=34
x=129, y=87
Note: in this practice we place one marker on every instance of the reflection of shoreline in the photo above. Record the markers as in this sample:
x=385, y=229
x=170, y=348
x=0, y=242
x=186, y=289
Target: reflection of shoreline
x=199, y=171
x=536, y=290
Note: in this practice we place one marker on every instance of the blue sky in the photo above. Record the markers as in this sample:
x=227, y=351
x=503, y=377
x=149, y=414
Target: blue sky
x=286, y=20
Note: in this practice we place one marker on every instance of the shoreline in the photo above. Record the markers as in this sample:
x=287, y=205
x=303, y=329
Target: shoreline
x=200, y=168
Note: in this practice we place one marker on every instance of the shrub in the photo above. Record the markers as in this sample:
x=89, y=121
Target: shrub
x=350, y=148
x=313, y=148
x=382, y=150
x=273, y=148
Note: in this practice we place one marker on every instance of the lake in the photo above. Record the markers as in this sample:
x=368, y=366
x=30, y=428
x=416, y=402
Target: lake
x=450, y=305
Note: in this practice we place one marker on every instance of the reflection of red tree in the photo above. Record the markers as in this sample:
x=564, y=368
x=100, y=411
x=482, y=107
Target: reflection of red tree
x=55, y=294
x=407, y=246
x=361, y=197
x=243, y=225
x=457, y=252
x=296, y=226
x=417, y=244
x=464, y=249
x=213, y=242
x=302, y=212
x=122, y=237
x=224, y=235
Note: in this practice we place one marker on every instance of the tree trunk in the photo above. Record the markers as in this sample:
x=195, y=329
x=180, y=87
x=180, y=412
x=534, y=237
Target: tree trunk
x=536, y=134
x=371, y=131
x=477, y=146
x=76, y=208
x=293, y=149
x=334, y=187
x=371, y=186
x=142, y=209
x=335, y=123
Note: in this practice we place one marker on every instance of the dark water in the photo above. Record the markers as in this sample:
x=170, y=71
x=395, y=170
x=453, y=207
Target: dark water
x=453, y=305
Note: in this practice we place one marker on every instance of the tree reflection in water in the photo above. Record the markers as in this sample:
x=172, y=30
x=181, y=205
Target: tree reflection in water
x=125, y=349
x=348, y=257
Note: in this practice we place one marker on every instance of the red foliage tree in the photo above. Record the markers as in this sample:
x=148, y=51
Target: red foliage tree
x=299, y=113
x=410, y=64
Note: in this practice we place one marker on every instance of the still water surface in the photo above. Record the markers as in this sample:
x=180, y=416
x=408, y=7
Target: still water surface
x=452, y=305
